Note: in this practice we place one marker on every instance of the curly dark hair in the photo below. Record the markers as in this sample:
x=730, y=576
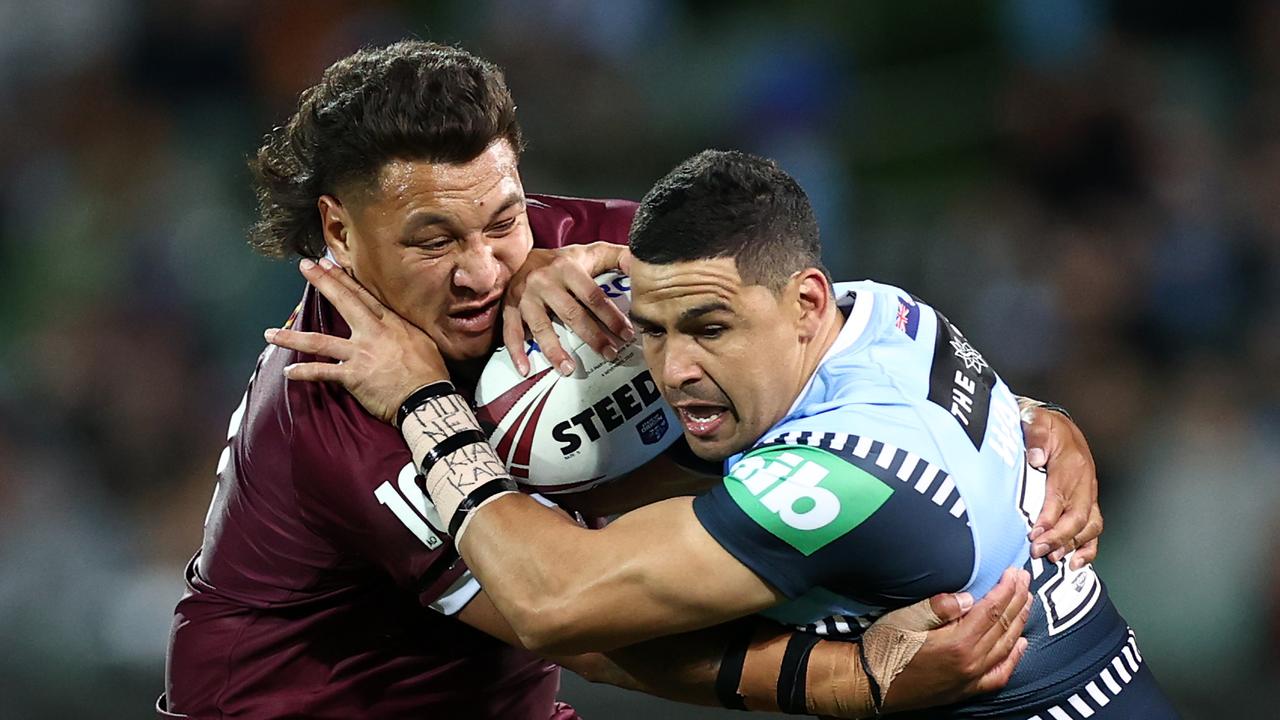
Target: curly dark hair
x=724, y=203
x=411, y=100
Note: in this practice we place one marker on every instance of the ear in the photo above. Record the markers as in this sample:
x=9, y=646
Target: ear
x=813, y=300
x=335, y=226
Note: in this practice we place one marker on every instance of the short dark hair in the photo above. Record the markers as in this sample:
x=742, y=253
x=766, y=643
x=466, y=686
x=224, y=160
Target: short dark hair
x=722, y=203
x=411, y=100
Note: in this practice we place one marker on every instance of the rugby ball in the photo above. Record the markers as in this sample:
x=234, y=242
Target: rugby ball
x=560, y=434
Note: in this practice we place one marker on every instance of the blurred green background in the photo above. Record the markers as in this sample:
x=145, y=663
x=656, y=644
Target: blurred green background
x=1090, y=189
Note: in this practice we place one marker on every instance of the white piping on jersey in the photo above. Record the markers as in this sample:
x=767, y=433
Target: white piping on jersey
x=922, y=482
x=853, y=328
x=840, y=626
x=461, y=592
x=1101, y=689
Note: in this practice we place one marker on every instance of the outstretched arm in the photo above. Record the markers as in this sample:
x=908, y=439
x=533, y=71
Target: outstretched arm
x=755, y=664
x=962, y=652
x=652, y=572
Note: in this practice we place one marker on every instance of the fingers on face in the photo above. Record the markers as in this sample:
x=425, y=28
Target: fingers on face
x=310, y=343
x=578, y=318
x=600, y=306
x=513, y=338
x=315, y=372
x=363, y=295
x=341, y=290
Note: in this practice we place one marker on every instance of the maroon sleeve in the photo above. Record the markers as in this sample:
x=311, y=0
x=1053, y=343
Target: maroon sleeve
x=558, y=221
x=355, y=484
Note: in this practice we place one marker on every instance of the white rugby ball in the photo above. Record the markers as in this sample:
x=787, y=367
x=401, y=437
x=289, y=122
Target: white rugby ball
x=561, y=434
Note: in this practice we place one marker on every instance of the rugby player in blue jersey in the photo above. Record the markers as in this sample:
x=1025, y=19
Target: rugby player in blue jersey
x=872, y=458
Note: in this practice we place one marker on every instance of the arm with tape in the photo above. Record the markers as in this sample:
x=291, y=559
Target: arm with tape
x=932, y=653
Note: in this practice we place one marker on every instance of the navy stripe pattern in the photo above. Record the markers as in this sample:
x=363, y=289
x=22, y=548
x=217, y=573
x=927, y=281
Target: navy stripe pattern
x=909, y=469
x=1102, y=689
x=841, y=626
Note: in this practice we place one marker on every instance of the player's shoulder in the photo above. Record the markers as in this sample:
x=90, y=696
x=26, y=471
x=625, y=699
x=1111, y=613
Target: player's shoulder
x=892, y=458
x=810, y=487
x=557, y=220
x=320, y=429
x=882, y=311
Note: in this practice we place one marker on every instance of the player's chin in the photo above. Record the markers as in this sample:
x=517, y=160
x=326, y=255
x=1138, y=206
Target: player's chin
x=465, y=348
x=715, y=447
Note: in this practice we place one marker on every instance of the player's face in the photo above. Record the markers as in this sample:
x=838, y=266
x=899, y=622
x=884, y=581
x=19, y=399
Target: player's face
x=438, y=244
x=726, y=356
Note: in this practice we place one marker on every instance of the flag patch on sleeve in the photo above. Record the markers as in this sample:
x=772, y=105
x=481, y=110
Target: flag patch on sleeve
x=908, y=320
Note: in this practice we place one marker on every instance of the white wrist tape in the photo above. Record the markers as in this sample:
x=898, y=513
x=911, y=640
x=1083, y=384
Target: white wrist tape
x=437, y=432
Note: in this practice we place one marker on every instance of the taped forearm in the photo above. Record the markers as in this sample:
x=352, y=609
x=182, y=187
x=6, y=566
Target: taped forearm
x=775, y=669
x=461, y=474
x=459, y=470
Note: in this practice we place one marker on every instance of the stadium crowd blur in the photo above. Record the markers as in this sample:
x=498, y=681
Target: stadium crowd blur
x=1106, y=174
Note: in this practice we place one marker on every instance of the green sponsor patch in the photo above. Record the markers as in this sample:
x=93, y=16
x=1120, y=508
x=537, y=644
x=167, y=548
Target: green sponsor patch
x=806, y=496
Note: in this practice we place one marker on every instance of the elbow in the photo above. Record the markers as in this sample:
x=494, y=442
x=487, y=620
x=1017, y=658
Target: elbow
x=595, y=669
x=553, y=628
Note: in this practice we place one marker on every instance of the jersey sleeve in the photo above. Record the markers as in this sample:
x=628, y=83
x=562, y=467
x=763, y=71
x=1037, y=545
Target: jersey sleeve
x=849, y=514
x=557, y=221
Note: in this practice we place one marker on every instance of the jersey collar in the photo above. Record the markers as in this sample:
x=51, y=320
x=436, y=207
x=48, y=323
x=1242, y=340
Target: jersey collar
x=858, y=306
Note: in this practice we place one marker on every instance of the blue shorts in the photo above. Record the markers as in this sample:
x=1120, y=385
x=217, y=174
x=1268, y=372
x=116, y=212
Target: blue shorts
x=1124, y=689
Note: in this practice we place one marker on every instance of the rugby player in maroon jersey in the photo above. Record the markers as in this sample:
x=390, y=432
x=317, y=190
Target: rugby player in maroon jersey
x=321, y=588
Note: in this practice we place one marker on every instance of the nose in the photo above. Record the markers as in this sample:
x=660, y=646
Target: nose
x=477, y=269
x=680, y=363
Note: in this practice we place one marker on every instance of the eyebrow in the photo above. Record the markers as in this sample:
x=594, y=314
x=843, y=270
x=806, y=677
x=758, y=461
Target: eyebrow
x=704, y=309
x=639, y=319
x=690, y=314
x=511, y=201
x=425, y=219
x=428, y=218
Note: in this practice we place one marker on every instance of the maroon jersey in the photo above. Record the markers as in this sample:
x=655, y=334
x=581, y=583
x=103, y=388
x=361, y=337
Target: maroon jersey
x=321, y=589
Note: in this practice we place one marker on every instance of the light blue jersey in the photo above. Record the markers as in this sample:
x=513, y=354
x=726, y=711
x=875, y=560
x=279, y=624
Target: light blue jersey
x=899, y=473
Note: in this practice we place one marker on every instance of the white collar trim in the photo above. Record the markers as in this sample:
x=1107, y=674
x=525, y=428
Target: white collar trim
x=853, y=328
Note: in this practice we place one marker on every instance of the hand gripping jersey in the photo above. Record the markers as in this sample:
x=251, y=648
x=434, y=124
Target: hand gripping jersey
x=899, y=473
x=321, y=589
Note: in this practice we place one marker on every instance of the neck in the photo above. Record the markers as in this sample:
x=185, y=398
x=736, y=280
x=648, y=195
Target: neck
x=466, y=374
x=831, y=323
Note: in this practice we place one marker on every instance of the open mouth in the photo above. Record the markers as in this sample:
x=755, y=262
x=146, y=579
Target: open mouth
x=476, y=319
x=702, y=420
